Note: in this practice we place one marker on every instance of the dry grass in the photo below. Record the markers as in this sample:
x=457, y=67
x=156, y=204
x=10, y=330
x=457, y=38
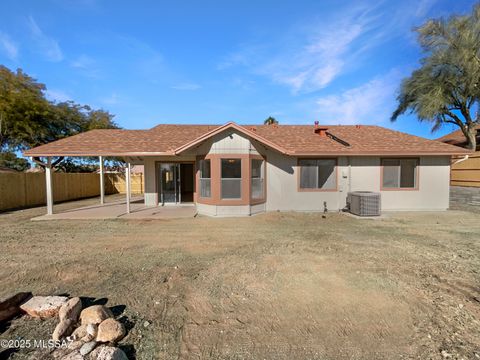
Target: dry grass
x=274, y=286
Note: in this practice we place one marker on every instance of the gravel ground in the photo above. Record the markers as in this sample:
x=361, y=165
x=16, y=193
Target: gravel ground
x=273, y=286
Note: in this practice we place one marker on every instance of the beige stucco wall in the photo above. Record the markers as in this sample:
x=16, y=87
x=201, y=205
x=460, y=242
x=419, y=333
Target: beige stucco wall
x=282, y=183
x=433, y=192
x=354, y=173
x=151, y=194
x=363, y=173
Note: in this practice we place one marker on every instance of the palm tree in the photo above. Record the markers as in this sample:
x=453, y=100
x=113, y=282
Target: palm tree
x=270, y=121
x=445, y=89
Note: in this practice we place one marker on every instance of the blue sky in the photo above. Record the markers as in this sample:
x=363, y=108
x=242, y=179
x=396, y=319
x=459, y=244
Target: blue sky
x=151, y=62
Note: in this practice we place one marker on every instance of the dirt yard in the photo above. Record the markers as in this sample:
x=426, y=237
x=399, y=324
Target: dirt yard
x=273, y=286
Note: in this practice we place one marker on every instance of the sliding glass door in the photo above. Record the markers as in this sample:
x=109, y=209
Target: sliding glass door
x=176, y=183
x=169, y=183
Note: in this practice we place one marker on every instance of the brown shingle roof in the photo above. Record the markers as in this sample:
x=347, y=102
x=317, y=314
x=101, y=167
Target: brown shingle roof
x=291, y=139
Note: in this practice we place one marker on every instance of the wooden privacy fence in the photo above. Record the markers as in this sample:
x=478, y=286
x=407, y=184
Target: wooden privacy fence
x=466, y=173
x=116, y=183
x=19, y=190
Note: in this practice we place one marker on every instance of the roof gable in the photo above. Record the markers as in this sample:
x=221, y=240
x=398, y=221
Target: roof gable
x=231, y=125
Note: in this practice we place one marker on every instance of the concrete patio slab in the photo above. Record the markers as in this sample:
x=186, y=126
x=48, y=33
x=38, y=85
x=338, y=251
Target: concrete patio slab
x=117, y=210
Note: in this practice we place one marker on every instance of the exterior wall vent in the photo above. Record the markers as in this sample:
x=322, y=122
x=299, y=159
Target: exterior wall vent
x=364, y=203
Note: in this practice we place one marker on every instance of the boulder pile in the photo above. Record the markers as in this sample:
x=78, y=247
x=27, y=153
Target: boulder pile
x=91, y=332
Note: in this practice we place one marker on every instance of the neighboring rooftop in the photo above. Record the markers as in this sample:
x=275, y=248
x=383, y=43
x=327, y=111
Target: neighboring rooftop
x=457, y=138
x=169, y=139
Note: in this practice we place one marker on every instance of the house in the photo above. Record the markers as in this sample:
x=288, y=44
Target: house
x=464, y=171
x=236, y=170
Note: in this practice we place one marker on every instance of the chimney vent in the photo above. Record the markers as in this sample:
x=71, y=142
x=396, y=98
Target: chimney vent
x=320, y=130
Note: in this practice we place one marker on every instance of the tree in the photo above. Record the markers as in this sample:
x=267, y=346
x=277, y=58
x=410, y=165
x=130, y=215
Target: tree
x=270, y=121
x=22, y=108
x=11, y=161
x=28, y=119
x=446, y=88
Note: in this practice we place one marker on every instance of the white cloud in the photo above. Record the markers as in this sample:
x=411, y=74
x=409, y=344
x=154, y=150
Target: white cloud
x=423, y=7
x=87, y=66
x=113, y=99
x=186, y=86
x=57, y=95
x=82, y=62
x=369, y=103
x=308, y=58
x=9, y=47
x=311, y=57
x=47, y=45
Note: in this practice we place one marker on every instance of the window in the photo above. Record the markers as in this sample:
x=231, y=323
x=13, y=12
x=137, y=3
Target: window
x=205, y=179
x=399, y=173
x=231, y=178
x=257, y=183
x=318, y=174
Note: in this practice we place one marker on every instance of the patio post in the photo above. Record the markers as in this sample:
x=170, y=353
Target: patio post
x=127, y=177
x=102, y=181
x=48, y=182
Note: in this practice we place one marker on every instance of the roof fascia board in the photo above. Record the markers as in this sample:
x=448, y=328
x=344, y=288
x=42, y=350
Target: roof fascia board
x=100, y=153
x=376, y=153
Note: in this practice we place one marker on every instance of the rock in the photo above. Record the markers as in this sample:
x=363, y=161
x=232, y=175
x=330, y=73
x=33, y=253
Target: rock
x=146, y=324
x=92, y=329
x=75, y=345
x=95, y=314
x=63, y=329
x=79, y=332
x=110, y=330
x=107, y=353
x=75, y=355
x=87, y=347
x=43, y=306
x=10, y=307
x=445, y=354
x=71, y=309
x=90, y=332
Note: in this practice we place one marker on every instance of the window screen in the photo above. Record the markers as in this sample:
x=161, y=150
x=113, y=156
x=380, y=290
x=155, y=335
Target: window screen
x=399, y=173
x=205, y=179
x=257, y=182
x=318, y=174
x=231, y=178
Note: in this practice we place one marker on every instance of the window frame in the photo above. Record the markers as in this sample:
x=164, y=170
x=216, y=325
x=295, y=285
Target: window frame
x=241, y=178
x=263, y=172
x=202, y=178
x=299, y=170
x=416, y=178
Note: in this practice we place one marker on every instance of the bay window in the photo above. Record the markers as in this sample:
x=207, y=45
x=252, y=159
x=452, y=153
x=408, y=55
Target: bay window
x=231, y=181
x=257, y=179
x=205, y=178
